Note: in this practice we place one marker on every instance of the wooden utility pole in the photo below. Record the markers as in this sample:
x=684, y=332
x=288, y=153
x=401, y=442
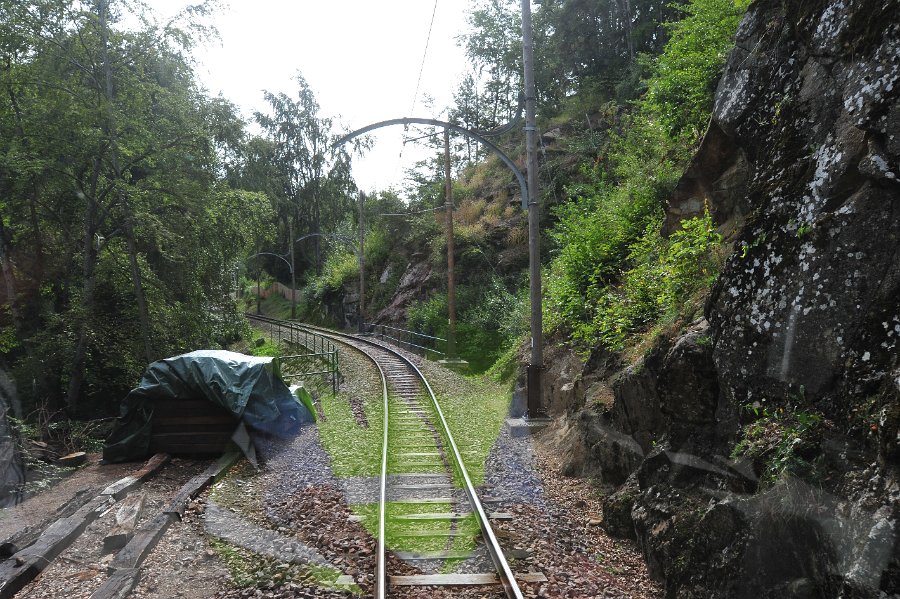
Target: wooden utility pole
x=362, y=266
x=535, y=368
x=451, y=283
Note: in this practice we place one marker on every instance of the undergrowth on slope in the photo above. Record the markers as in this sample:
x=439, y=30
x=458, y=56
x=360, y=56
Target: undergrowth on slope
x=613, y=276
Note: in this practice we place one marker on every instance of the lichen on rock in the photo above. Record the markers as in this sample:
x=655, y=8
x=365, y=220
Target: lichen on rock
x=764, y=443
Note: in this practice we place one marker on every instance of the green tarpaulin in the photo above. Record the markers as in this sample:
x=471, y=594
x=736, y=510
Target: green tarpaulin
x=249, y=387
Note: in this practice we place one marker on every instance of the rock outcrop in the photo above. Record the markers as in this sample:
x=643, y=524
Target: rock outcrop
x=757, y=454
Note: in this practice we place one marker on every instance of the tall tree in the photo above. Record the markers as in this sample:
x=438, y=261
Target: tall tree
x=110, y=159
x=314, y=184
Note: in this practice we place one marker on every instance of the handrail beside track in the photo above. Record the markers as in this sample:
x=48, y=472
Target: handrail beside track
x=322, y=349
x=507, y=578
x=397, y=336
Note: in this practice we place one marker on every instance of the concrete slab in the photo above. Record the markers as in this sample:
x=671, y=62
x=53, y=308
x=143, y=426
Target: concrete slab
x=522, y=427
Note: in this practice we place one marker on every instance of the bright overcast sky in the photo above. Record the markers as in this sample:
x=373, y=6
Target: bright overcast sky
x=361, y=58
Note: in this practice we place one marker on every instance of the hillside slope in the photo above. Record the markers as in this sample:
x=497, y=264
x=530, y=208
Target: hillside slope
x=755, y=453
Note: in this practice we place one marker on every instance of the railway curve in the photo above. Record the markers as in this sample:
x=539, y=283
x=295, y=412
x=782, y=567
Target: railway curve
x=422, y=471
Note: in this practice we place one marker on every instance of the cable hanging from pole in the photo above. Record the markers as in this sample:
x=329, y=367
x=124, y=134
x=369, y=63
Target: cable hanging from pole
x=412, y=107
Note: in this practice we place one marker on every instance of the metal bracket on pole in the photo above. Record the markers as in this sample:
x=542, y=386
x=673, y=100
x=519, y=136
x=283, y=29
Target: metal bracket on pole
x=520, y=178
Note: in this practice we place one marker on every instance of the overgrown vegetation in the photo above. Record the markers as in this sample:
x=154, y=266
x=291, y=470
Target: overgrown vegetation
x=613, y=276
x=782, y=443
x=126, y=231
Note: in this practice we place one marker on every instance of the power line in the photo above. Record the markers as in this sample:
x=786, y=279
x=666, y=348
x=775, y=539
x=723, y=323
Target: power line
x=412, y=213
x=424, y=55
x=419, y=80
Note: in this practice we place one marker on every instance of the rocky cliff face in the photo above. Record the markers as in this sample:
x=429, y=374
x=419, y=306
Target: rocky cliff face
x=758, y=454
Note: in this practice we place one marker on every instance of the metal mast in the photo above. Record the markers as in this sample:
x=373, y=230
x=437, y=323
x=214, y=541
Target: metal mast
x=535, y=368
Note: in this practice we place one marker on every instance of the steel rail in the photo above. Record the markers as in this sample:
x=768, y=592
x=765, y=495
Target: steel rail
x=507, y=578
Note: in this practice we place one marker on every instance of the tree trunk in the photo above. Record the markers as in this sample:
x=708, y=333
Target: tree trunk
x=9, y=279
x=143, y=312
x=136, y=280
x=38, y=272
x=626, y=20
x=89, y=263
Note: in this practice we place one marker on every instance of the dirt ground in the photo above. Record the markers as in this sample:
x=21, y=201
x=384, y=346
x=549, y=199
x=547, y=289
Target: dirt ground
x=562, y=539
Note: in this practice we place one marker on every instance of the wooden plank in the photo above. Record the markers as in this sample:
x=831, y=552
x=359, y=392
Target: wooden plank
x=448, y=516
x=139, y=547
x=430, y=555
x=422, y=500
x=196, y=485
x=120, y=488
x=190, y=490
x=24, y=537
x=430, y=516
x=136, y=550
x=422, y=487
x=119, y=585
x=460, y=579
x=185, y=436
x=430, y=534
x=193, y=449
x=26, y=564
x=224, y=464
x=126, y=521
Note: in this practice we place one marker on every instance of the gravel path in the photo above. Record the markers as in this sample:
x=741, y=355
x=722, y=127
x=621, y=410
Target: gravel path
x=81, y=568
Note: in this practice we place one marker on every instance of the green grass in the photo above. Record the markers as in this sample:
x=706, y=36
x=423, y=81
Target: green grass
x=395, y=528
x=249, y=569
x=354, y=450
x=475, y=409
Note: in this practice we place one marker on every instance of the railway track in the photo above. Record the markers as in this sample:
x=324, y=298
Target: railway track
x=428, y=511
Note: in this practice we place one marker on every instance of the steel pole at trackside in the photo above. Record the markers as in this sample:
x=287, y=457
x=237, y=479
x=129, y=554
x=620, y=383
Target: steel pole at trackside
x=362, y=266
x=536, y=366
x=293, y=276
x=451, y=281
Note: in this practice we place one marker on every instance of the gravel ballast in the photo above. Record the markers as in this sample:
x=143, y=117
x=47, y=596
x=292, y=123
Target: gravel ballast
x=290, y=528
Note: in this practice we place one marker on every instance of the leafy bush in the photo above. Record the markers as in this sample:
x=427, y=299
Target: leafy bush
x=490, y=320
x=612, y=274
x=596, y=230
x=682, y=88
x=666, y=273
x=339, y=268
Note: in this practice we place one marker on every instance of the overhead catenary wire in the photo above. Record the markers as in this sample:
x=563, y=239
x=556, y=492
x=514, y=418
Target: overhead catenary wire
x=412, y=106
x=423, y=211
x=424, y=56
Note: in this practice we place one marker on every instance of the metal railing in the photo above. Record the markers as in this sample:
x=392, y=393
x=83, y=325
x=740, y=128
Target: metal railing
x=321, y=358
x=419, y=343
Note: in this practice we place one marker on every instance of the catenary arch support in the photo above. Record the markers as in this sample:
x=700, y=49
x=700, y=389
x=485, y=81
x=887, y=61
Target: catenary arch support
x=520, y=178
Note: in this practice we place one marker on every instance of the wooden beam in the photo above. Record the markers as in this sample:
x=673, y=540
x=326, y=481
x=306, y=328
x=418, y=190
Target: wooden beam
x=126, y=521
x=460, y=579
x=26, y=564
x=139, y=547
x=120, y=488
x=119, y=585
x=23, y=537
x=196, y=485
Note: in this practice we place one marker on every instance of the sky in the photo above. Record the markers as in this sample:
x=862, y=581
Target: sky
x=361, y=58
